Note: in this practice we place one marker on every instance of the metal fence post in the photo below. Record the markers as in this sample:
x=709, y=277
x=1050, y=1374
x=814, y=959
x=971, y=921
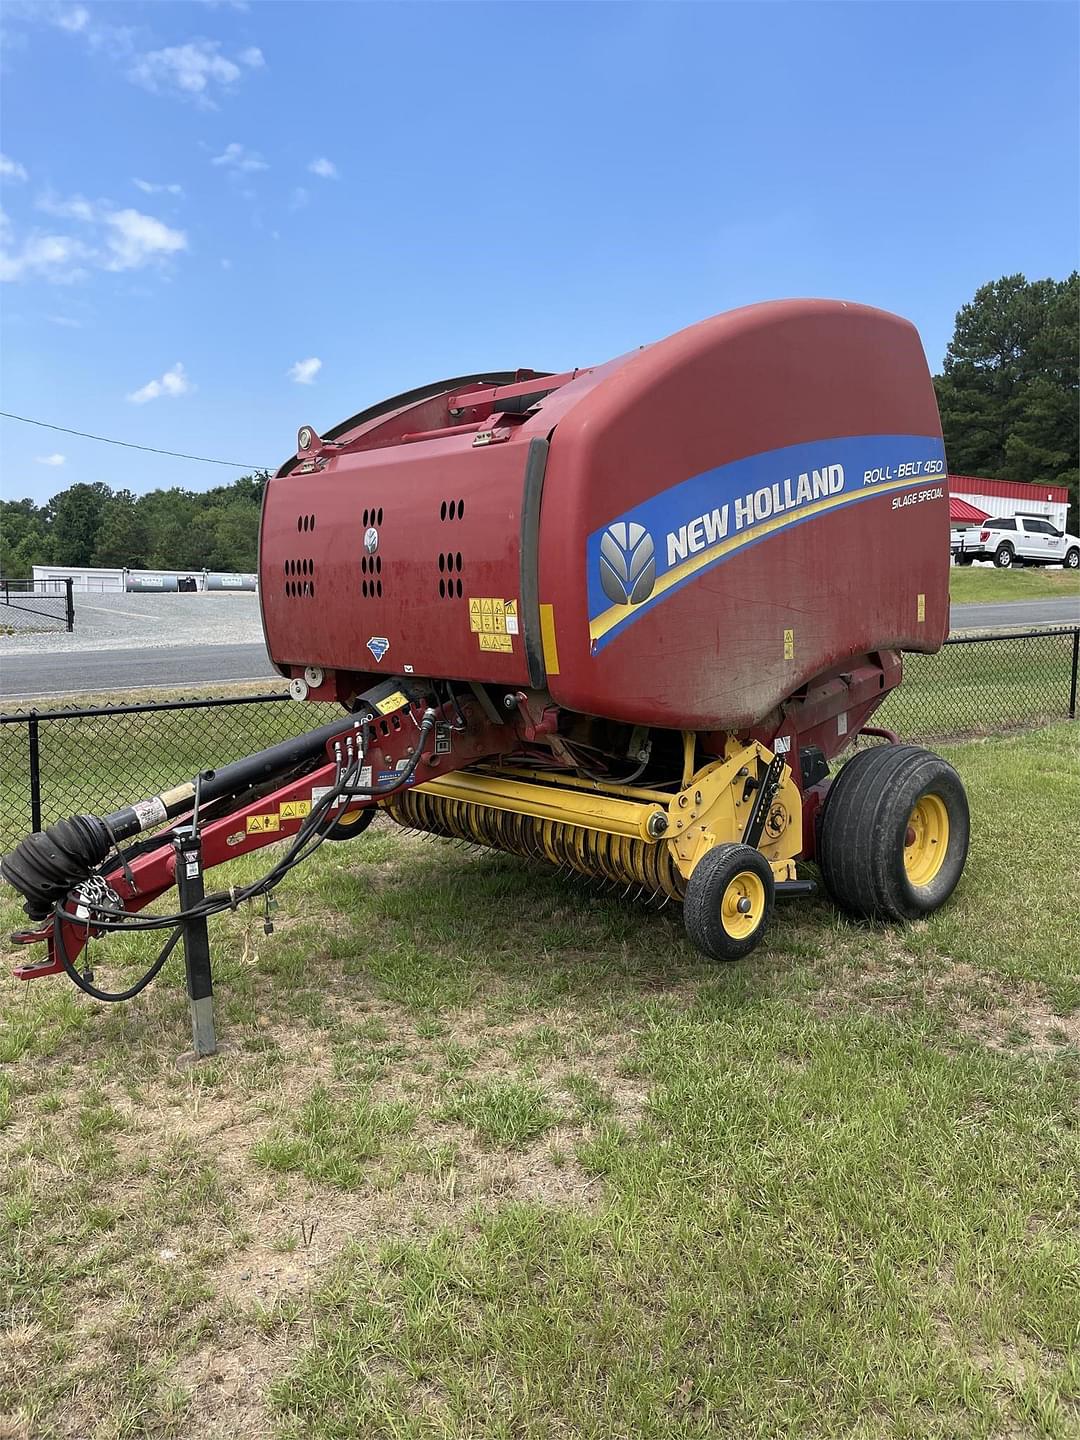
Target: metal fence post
x=69, y=586
x=35, y=771
x=1075, y=661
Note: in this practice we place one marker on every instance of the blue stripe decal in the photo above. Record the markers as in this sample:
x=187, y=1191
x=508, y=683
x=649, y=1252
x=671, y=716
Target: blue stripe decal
x=647, y=553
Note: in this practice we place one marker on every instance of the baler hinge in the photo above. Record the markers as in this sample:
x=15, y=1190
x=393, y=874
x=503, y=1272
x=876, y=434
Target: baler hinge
x=770, y=783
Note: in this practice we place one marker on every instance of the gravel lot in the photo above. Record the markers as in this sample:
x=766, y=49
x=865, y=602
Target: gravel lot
x=147, y=622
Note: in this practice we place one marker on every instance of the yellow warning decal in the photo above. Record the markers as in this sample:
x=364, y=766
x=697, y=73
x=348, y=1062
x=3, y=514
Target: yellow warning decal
x=547, y=637
x=261, y=824
x=492, y=615
x=789, y=644
x=493, y=619
x=294, y=809
x=921, y=606
x=502, y=643
x=396, y=701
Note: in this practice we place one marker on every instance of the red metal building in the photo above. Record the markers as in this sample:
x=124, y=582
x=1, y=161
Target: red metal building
x=1010, y=497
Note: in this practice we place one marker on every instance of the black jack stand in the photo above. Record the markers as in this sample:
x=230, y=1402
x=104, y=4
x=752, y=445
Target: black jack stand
x=200, y=985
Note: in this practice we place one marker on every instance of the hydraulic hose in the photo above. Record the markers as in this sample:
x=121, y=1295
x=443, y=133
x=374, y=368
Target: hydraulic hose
x=112, y=996
x=305, y=842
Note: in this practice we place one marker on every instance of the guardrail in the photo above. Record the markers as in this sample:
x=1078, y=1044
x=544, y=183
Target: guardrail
x=23, y=597
x=63, y=761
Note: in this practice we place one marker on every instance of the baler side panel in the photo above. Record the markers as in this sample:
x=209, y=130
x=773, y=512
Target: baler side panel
x=707, y=419
x=447, y=521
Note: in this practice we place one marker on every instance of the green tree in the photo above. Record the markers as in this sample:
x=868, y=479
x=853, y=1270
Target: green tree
x=24, y=539
x=1010, y=385
x=122, y=537
x=171, y=529
x=74, y=518
x=233, y=540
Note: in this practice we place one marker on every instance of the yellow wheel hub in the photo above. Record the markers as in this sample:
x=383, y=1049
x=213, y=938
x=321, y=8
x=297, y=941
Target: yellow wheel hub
x=926, y=842
x=743, y=905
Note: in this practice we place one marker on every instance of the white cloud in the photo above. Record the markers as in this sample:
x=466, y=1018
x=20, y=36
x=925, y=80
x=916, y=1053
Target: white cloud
x=304, y=371
x=76, y=20
x=194, y=71
x=67, y=321
x=56, y=258
x=150, y=187
x=50, y=459
x=299, y=198
x=236, y=157
x=75, y=208
x=120, y=240
x=325, y=169
x=174, y=382
x=116, y=41
x=11, y=169
x=134, y=239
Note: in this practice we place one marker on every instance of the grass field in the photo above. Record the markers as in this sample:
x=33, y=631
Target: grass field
x=976, y=582
x=484, y=1155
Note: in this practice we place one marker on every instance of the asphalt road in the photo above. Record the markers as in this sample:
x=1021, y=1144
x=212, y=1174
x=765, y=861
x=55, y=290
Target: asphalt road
x=91, y=671
x=1017, y=614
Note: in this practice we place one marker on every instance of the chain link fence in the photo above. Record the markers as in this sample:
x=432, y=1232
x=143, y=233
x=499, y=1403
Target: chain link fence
x=73, y=761
x=27, y=605
x=986, y=684
x=66, y=761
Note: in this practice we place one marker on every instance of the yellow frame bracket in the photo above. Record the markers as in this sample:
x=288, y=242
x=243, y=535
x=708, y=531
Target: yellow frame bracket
x=714, y=807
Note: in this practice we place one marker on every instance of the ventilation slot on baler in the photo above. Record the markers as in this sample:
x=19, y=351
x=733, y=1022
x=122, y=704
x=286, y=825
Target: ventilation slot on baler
x=300, y=579
x=371, y=565
x=450, y=584
x=370, y=569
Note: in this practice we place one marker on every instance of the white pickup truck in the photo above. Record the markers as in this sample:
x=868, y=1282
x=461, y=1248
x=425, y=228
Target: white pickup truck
x=1018, y=540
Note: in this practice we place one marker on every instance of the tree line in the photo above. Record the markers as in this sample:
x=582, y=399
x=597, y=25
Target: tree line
x=1008, y=395
x=165, y=529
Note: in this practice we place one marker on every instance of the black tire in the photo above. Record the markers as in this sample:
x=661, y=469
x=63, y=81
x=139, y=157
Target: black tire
x=965, y=559
x=877, y=836
x=1004, y=556
x=1072, y=559
x=724, y=880
x=351, y=825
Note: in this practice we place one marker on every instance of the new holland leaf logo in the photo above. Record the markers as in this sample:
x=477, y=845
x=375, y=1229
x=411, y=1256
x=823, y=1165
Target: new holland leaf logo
x=627, y=563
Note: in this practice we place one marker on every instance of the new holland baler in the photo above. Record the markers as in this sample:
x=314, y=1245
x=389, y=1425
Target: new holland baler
x=623, y=619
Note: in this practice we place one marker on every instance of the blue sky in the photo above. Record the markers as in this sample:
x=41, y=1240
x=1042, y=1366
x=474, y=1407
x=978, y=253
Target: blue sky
x=203, y=200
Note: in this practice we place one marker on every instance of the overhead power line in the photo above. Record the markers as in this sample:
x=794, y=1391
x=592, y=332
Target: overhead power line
x=130, y=445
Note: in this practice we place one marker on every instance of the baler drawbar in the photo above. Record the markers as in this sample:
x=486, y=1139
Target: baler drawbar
x=620, y=619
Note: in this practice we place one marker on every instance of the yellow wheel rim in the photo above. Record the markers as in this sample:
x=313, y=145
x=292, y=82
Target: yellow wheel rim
x=347, y=822
x=743, y=905
x=926, y=841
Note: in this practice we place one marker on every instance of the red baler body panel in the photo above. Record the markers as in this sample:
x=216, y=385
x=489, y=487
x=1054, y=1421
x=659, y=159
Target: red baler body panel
x=780, y=468
x=400, y=593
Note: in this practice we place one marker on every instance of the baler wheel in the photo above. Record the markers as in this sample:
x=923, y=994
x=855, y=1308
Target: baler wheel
x=729, y=898
x=894, y=833
x=351, y=825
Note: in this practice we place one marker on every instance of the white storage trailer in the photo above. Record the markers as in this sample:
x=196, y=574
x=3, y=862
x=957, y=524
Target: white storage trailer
x=103, y=580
